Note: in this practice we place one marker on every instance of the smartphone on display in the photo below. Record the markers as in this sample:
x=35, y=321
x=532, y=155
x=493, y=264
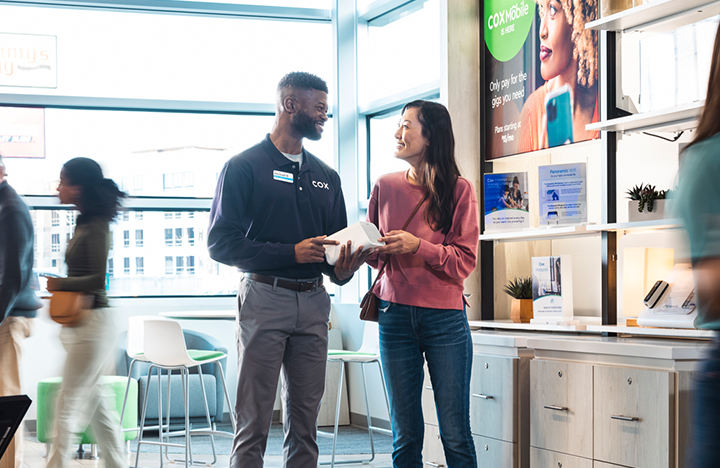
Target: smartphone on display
x=559, y=117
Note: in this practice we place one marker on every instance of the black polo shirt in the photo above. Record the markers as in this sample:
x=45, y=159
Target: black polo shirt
x=264, y=205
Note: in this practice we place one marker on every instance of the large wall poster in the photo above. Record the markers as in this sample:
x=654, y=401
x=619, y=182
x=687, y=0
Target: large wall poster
x=540, y=74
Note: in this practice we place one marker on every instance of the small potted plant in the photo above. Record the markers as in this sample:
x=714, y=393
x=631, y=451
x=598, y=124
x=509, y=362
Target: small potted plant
x=521, y=308
x=646, y=203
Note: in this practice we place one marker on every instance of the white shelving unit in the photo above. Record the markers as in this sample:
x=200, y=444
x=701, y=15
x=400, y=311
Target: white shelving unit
x=674, y=119
x=659, y=15
x=643, y=331
x=534, y=234
x=654, y=225
x=585, y=323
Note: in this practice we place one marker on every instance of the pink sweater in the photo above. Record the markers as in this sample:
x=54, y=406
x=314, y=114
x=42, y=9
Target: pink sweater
x=433, y=276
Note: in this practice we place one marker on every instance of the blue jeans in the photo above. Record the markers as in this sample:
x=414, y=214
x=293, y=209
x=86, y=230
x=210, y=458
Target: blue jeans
x=705, y=423
x=443, y=336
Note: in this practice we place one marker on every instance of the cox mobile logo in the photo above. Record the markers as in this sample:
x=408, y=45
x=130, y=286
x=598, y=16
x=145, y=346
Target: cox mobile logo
x=541, y=264
x=507, y=25
x=318, y=184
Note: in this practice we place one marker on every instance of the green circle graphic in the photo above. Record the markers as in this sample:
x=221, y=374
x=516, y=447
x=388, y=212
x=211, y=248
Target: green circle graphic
x=507, y=24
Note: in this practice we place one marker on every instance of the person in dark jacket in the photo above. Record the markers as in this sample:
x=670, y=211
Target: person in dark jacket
x=82, y=400
x=18, y=302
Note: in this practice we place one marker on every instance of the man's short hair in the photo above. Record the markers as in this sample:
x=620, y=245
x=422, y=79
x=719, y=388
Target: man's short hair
x=303, y=80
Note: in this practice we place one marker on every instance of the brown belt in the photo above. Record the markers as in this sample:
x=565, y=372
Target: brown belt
x=293, y=285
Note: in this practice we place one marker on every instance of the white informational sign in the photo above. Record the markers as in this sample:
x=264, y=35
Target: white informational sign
x=506, y=201
x=28, y=60
x=552, y=290
x=563, y=194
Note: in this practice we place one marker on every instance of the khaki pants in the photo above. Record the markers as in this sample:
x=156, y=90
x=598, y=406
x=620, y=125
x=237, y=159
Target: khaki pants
x=82, y=398
x=12, y=331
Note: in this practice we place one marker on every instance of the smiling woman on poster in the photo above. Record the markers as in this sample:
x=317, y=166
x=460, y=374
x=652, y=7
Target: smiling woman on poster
x=568, y=64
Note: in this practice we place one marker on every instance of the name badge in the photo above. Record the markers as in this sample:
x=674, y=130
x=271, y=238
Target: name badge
x=283, y=176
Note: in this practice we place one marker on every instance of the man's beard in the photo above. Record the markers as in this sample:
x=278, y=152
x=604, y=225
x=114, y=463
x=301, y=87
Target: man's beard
x=305, y=126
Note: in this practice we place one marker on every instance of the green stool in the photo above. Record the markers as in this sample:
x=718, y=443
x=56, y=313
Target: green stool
x=47, y=393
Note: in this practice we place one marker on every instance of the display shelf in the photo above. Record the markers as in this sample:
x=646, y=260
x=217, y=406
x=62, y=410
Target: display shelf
x=534, y=234
x=673, y=119
x=585, y=322
x=657, y=16
x=647, y=331
x=652, y=225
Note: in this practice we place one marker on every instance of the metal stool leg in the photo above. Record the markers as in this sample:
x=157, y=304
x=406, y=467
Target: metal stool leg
x=142, y=418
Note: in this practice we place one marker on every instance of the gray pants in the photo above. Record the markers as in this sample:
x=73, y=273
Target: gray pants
x=279, y=329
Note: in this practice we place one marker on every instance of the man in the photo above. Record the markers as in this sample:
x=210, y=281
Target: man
x=274, y=205
x=18, y=303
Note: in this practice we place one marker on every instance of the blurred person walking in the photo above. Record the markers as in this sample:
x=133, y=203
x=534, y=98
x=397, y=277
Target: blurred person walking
x=82, y=399
x=422, y=311
x=18, y=302
x=698, y=204
x=274, y=205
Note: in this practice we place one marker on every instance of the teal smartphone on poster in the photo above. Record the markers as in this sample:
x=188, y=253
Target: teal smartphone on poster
x=559, y=117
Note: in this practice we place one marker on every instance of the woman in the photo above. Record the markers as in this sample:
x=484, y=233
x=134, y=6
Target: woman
x=421, y=290
x=699, y=174
x=516, y=195
x=81, y=400
x=568, y=56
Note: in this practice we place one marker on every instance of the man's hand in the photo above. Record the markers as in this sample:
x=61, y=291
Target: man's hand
x=312, y=250
x=398, y=242
x=347, y=264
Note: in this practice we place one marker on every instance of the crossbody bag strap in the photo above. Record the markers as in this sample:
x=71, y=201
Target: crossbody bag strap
x=407, y=223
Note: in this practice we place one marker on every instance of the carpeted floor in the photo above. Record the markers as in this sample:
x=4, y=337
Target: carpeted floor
x=351, y=440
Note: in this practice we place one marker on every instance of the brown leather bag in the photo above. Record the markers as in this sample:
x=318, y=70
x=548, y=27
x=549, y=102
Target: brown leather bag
x=370, y=304
x=70, y=308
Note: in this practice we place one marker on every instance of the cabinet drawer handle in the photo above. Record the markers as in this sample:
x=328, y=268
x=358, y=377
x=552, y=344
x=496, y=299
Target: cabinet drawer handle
x=625, y=418
x=555, y=408
x=434, y=465
x=484, y=397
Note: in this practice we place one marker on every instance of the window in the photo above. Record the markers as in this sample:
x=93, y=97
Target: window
x=168, y=265
x=168, y=215
x=191, y=265
x=54, y=263
x=191, y=236
x=125, y=216
x=178, y=215
x=168, y=237
x=111, y=269
x=191, y=214
x=126, y=265
x=138, y=238
x=178, y=236
x=380, y=73
x=56, y=242
x=139, y=265
x=126, y=238
x=138, y=216
x=69, y=218
x=179, y=265
x=55, y=219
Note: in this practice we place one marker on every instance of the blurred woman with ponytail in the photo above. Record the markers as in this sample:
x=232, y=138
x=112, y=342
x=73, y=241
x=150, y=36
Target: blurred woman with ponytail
x=81, y=400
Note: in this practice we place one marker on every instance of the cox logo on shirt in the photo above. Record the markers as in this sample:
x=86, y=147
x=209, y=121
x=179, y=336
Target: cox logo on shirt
x=318, y=184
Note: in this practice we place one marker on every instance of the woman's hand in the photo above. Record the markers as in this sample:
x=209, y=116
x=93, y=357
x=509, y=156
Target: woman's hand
x=398, y=242
x=53, y=284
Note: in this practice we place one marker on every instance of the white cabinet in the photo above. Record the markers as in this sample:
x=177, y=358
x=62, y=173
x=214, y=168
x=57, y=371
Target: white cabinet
x=493, y=397
x=610, y=402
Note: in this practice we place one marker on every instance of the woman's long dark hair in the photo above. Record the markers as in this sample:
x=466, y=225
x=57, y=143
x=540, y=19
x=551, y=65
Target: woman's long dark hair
x=709, y=123
x=441, y=170
x=99, y=197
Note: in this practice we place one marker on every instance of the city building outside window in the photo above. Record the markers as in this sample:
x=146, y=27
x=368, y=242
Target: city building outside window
x=55, y=218
x=138, y=238
x=179, y=265
x=168, y=215
x=168, y=265
x=139, y=265
x=178, y=236
x=56, y=242
x=111, y=268
x=191, y=236
x=138, y=216
x=126, y=265
x=126, y=238
x=125, y=216
x=168, y=237
x=191, y=265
